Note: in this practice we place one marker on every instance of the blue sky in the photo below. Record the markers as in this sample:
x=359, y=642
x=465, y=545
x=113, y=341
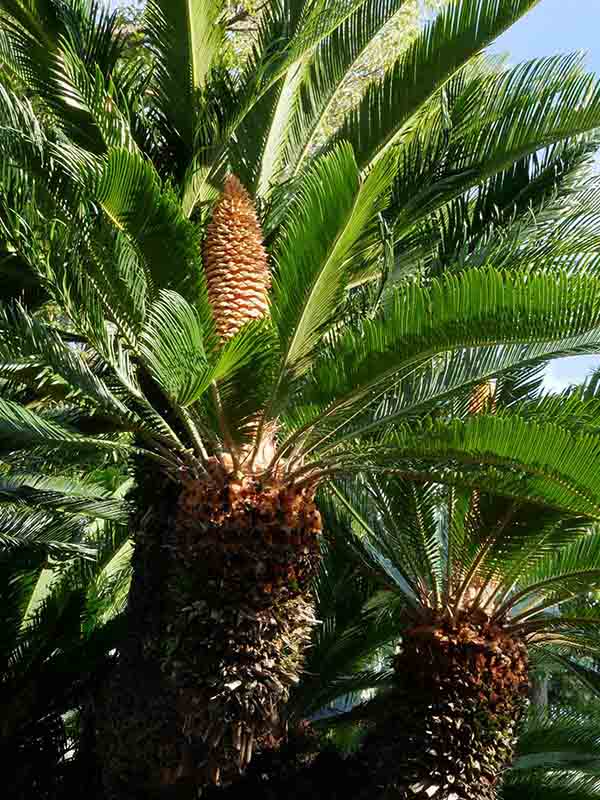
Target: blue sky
x=556, y=26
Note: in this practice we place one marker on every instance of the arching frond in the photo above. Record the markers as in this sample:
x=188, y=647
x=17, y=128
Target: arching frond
x=457, y=34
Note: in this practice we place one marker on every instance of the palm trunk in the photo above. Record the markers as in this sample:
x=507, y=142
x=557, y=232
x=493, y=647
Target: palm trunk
x=218, y=624
x=449, y=729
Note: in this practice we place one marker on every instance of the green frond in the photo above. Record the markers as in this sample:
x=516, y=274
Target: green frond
x=409, y=393
x=70, y=496
x=329, y=236
x=186, y=37
x=473, y=309
x=396, y=530
x=181, y=351
x=561, y=572
x=586, y=676
x=257, y=128
x=333, y=62
x=552, y=787
x=88, y=27
x=246, y=372
x=82, y=96
x=457, y=34
x=563, y=462
x=273, y=161
x=25, y=337
x=532, y=205
x=47, y=639
x=97, y=276
x=479, y=126
x=557, y=756
x=510, y=537
x=563, y=736
x=52, y=47
x=172, y=346
x=309, y=90
x=536, y=462
x=132, y=197
x=21, y=427
x=54, y=533
x=108, y=593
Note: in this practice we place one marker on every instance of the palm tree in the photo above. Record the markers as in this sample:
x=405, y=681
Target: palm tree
x=312, y=323
x=475, y=585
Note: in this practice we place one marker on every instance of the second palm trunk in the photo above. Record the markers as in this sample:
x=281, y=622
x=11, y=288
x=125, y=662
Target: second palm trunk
x=448, y=732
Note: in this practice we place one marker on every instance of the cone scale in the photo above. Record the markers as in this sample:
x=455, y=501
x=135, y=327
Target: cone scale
x=235, y=261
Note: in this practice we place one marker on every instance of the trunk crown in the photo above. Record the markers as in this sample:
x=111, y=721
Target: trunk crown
x=235, y=261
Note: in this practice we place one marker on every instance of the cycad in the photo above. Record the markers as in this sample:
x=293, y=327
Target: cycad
x=476, y=591
x=233, y=413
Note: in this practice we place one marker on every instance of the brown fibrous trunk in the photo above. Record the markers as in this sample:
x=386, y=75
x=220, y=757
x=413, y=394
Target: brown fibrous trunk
x=219, y=621
x=450, y=724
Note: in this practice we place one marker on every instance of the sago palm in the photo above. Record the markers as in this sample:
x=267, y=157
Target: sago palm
x=247, y=310
x=476, y=586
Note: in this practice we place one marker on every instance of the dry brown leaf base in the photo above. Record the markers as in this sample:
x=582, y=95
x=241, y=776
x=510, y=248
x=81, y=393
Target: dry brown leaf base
x=461, y=691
